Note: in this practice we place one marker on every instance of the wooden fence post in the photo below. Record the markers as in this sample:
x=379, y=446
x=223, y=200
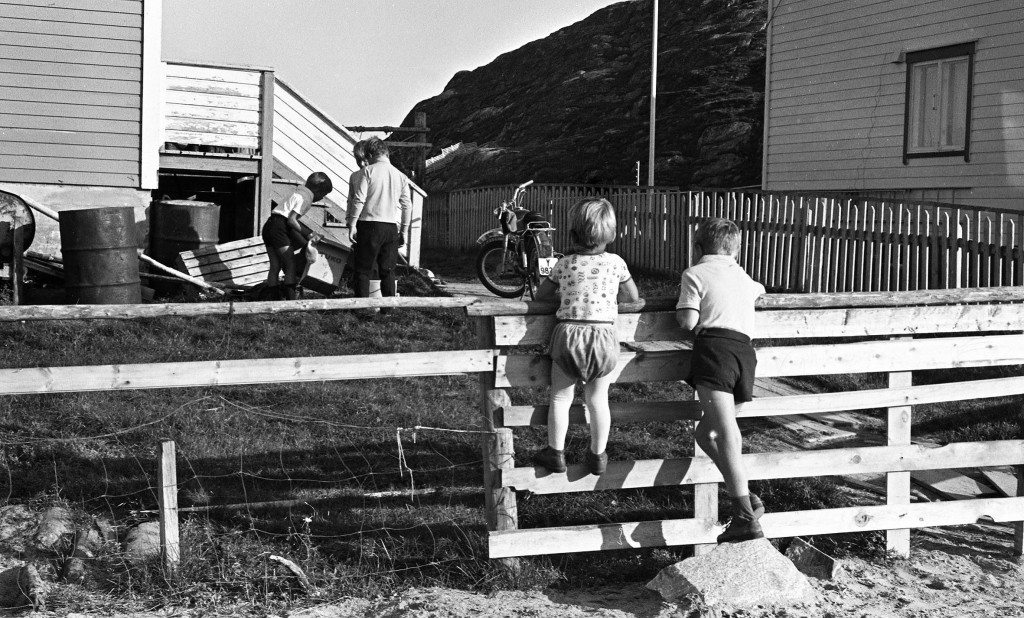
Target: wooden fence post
x=705, y=499
x=898, y=483
x=167, y=480
x=1018, y=527
x=501, y=512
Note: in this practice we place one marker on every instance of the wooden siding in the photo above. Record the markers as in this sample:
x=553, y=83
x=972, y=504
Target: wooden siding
x=70, y=92
x=212, y=106
x=307, y=140
x=835, y=99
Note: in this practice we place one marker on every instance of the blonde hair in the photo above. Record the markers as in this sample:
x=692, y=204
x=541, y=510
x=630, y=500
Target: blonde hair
x=718, y=237
x=592, y=222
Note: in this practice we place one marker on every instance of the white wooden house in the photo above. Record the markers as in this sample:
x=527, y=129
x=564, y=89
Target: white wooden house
x=91, y=116
x=902, y=99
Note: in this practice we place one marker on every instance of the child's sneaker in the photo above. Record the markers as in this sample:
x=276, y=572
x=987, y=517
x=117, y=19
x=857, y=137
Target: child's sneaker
x=597, y=464
x=739, y=530
x=550, y=458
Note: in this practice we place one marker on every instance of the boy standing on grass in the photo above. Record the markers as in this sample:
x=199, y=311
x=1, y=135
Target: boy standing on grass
x=585, y=345
x=285, y=239
x=716, y=304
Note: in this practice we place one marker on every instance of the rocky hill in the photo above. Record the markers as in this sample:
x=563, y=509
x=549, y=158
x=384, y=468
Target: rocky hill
x=574, y=107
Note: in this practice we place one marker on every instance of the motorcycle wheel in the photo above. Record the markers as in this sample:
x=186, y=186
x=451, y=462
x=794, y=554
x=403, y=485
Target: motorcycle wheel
x=533, y=271
x=505, y=279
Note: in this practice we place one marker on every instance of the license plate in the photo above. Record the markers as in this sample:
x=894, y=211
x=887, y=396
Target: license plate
x=544, y=266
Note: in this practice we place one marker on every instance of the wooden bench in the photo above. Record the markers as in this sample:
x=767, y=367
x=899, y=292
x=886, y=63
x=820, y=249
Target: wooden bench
x=811, y=335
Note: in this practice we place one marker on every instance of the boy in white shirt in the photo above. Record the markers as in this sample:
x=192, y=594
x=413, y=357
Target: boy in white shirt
x=716, y=304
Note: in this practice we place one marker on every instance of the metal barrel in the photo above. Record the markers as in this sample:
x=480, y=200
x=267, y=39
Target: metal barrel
x=181, y=225
x=100, y=250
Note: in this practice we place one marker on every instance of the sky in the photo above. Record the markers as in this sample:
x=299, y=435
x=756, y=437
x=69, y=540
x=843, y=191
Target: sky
x=368, y=62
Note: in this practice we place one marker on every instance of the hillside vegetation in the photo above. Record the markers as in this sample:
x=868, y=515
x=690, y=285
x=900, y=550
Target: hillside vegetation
x=574, y=107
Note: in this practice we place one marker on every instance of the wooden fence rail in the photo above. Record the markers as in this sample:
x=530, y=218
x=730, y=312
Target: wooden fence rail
x=811, y=334
x=791, y=242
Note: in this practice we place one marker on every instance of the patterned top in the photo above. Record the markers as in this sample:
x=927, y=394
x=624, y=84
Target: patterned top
x=589, y=286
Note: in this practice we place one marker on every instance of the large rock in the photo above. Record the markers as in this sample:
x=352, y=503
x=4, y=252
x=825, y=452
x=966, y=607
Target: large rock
x=22, y=587
x=142, y=542
x=736, y=576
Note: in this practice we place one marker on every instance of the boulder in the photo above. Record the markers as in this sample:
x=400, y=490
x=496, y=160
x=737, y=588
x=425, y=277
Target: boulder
x=56, y=531
x=143, y=542
x=22, y=587
x=736, y=576
x=811, y=561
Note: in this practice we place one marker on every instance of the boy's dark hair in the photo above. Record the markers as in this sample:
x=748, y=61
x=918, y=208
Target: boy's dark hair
x=376, y=148
x=718, y=237
x=319, y=183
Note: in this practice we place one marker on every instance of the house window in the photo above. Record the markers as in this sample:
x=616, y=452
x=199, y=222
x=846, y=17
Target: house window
x=938, y=110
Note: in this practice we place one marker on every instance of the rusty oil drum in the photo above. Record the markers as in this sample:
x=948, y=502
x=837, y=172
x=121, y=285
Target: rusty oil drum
x=100, y=251
x=181, y=225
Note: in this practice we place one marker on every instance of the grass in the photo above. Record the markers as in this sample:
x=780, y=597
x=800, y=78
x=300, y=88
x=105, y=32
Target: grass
x=334, y=460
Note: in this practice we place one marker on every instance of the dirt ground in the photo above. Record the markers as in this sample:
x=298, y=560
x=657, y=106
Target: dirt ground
x=963, y=572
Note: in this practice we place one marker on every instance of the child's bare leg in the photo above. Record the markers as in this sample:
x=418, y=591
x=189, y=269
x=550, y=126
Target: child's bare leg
x=274, y=270
x=719, y=436
x=563, y=387
x=596, y=395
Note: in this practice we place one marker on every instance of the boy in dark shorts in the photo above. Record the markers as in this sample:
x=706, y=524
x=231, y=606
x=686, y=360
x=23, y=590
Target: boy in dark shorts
x=716, y=304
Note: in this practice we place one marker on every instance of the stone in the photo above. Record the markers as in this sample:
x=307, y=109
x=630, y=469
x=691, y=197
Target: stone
x=811, y=561
x=736, y=576
x=56, y=531
x=143, y=542
x=22, y=587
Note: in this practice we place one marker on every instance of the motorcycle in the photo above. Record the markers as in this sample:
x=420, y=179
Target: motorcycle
x=515, y=257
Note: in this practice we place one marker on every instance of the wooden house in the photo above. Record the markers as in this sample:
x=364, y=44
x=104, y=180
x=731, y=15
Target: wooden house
x=91, y=116
x=900, y=99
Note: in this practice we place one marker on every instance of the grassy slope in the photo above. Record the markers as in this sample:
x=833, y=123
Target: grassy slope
x=331, y=449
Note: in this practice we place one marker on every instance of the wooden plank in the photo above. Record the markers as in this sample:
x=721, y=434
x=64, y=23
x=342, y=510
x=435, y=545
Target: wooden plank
x=69, y=124
x=64, y=177
x=209, y=87
x=797, y=360
x=227, y=75
x=76, y=30
x=810, y=432
x=898, y=432
x=47, y=95
x=210, y=162
x=957, y=296
x=105, y=153
x=65, y=69
x=42, y=163
x=77, y=43
x=49, y=12
x=29, y=313
x=167, y=495
x=76, y=56
x=622, y=412
x=762, y=466
x=220, y=114
x=219, y=101
x=954, y=484
x=233, y=372
x=673, y=532
x=1003, y=479
x=217, y=127
x=229, y=140
x=72, y=85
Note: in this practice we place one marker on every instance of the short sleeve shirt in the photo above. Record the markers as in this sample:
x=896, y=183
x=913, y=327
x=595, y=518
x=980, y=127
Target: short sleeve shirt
x=298, y=202
x=588, y=286
x=722, y=292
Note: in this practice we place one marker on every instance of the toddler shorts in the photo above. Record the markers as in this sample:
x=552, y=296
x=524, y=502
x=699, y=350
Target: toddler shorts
x=723, y=360
x=585, y=350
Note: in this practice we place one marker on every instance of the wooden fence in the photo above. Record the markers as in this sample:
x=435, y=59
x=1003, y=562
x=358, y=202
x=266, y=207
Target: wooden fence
x=791, y=242
x=811, y=335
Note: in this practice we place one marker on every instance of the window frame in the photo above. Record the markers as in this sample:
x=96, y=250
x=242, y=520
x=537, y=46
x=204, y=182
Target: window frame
x=913, y=59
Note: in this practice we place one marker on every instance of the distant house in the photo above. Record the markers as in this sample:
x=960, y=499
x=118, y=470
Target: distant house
x=90, y=116
x=909, y=99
